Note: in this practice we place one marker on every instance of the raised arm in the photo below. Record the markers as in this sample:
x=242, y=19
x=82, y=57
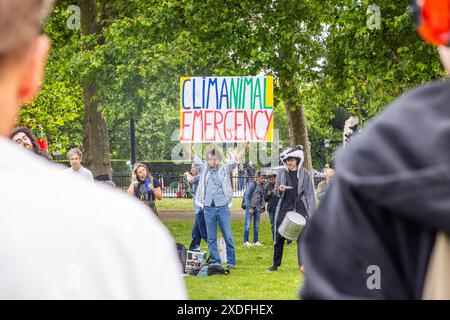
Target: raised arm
x=241, y=153
x=189, y=177
x=195, y=160
x=133, y=185
x=186, y=148
x=158, y=193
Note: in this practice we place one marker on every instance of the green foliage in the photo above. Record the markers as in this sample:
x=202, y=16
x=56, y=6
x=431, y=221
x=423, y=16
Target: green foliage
x=366, y=69
x=322, y=54
x=58, y=109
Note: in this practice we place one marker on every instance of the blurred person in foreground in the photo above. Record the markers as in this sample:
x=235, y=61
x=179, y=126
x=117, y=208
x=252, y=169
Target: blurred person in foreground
x=381, y=231
x=67, y=238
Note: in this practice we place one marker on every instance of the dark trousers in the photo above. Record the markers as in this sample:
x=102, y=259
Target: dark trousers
x=279, y=244
x=199, y=229
x=278, y=250
x=272, y=223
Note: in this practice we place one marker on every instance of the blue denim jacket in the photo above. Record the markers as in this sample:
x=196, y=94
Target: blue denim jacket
x=249, y=193
x=224, y=173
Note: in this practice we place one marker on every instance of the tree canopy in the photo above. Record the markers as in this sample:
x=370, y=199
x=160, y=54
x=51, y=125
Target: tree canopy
x=326, y=58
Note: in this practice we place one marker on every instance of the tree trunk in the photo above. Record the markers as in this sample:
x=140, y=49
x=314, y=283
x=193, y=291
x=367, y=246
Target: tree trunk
x=296, y=119
x=298, y=133
x=96, y=140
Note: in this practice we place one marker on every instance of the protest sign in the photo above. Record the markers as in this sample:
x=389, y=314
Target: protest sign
x=226, y=109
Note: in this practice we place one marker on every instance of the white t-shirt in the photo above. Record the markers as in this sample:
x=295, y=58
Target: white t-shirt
x=62, y=237
x=86, y=173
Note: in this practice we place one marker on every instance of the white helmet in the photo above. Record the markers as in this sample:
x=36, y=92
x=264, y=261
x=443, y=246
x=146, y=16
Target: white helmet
x=296, y=153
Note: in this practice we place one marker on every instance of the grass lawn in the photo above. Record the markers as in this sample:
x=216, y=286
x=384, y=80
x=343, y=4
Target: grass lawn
x=250, y=280
x=186, y=205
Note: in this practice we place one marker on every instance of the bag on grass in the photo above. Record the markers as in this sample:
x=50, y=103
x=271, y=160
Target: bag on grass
x=222, y=248
x=191, y=261
x=211, y=269
x=195, y=260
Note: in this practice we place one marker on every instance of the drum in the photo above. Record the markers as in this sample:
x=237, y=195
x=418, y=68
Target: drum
x=292, y=225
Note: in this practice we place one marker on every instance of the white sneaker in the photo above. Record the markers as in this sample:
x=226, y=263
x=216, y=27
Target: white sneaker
x=257, y=243
x=247, y=244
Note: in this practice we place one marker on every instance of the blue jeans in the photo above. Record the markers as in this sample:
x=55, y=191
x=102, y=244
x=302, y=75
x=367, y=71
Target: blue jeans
x=248, y=220
x=221, y=216
x=241, y=182
x=199, y=229
x=271, y=218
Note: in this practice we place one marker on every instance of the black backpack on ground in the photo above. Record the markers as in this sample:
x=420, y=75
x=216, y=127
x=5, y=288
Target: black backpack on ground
x=210, y=270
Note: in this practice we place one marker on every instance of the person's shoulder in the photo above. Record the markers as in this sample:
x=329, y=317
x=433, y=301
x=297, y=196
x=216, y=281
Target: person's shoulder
x=86, y=171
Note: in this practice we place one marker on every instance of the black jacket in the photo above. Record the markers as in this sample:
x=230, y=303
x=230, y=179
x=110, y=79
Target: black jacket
x=272, y=200
x=390, y=194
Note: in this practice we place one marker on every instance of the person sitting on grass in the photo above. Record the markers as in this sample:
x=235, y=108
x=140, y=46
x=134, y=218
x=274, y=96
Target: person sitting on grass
x=144, y=187
x=254, y=206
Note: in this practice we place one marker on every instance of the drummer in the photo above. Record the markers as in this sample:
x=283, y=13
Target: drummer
x=295, y=190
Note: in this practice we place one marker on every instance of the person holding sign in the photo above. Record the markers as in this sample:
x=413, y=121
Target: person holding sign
x=215, y=196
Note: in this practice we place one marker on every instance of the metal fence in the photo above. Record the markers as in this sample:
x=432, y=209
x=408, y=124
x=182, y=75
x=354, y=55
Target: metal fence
x=176, y=186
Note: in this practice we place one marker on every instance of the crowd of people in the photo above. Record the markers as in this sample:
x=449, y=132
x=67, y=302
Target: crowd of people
x=291, y=188
x=287, y=190
x=386, y=207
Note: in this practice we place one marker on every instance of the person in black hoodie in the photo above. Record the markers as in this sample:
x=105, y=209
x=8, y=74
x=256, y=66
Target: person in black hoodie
x=373, y=234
